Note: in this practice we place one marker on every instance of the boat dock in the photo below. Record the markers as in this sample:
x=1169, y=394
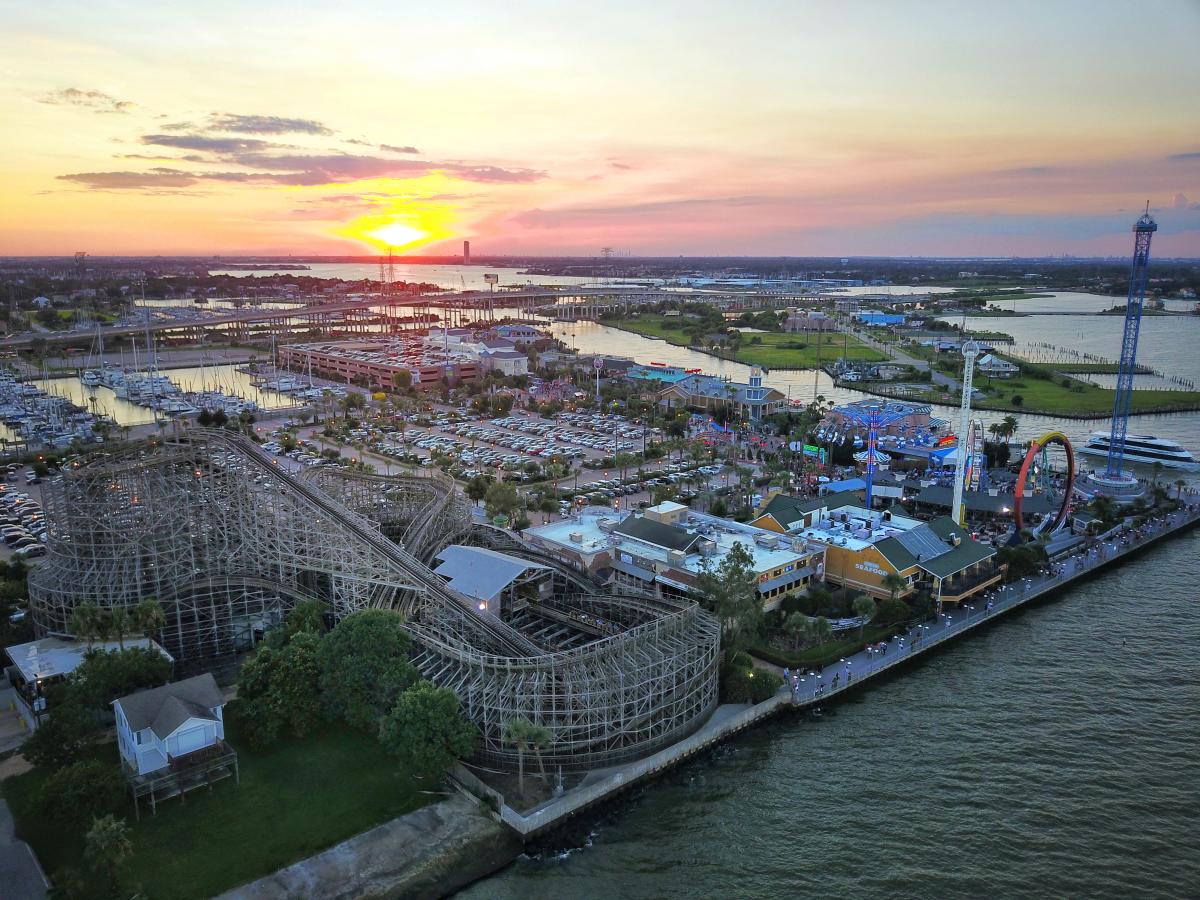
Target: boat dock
x=852, y=672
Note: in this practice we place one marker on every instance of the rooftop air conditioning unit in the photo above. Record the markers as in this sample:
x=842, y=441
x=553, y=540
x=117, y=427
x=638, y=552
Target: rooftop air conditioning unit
x=576, y=537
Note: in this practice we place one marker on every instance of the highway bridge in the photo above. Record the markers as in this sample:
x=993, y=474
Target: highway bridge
x=418, y=311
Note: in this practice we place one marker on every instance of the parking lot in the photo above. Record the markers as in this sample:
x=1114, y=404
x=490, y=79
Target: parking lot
x=22, y=523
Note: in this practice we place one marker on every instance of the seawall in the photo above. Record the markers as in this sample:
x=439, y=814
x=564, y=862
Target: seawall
x=428, y=853
x=603, y=786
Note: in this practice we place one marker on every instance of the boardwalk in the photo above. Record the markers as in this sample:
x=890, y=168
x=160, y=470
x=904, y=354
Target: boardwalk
x=810, y=690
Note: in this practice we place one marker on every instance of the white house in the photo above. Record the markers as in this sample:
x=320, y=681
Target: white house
x=157, y=726
x=506, y=362
x=995, y=367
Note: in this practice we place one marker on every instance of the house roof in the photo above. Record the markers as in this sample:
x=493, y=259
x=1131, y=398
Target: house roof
x=479, y=572
x=163, y=709
x=929, y=546
x=51, y=657
x=720, y=389
x=643, y=529
x=981, y=501
x=787, y=510
x=968, y=552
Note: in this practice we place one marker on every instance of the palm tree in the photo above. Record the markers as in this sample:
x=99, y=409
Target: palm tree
x=149, y=617
x=797, y=625
x=119, y=622
x=894, y=583
x=86, y=622
x=1157, y=467
x=107, y=846
x=996, y=430
x=1180, y=484
x=525, y=735
x=820, y=631
x=1010, y=426
x=864, y=608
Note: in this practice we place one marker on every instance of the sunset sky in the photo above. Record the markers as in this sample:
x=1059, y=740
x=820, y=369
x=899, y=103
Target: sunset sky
x=654, y=127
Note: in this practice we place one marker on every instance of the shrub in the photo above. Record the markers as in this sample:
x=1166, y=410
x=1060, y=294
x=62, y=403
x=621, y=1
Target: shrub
x=763, y=685
x=890, y=612
x=82, y=790
x=737, y=686
x=62, y=737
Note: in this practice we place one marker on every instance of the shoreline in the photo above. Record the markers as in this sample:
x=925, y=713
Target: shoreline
x=604, y=786
x=1016, y=410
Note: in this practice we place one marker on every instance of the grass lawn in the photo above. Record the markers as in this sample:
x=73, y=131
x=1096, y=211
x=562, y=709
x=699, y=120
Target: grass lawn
x=1050, y=397
x=294, y=800
x=1039, y=396
x=776, y=351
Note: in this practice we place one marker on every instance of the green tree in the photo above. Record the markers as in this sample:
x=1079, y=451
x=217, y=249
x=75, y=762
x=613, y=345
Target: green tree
x=62, y=737
x=87, y=622
x=864, y=608
x=821, y=631
x=103, y=676
x=502, y=404
x=891, y=612
x=426, y=730
x=149, y=618
x=797, y=627
x=402, y=380
x=108, y=845
x=308, y=616
x=477, y=487
x=120, y=623
x=894, y=583
x=365, y=667
x=82, y=791
x=501, y=499
x=524, y=735
x=278, y=689
x=730, y=590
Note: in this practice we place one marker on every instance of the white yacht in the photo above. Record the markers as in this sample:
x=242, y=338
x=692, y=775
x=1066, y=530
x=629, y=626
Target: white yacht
x=1144, y=448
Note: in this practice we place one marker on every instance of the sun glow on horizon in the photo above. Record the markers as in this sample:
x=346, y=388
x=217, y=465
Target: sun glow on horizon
x=402, y=230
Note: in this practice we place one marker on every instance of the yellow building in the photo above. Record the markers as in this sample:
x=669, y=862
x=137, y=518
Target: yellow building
x=863, y=547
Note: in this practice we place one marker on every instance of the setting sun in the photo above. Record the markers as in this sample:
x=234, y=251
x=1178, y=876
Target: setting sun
x=397, y=235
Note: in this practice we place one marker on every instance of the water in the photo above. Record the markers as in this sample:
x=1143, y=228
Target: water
x=1075, y=301
x=589, y=337
x=1053, y=755
x=449, y=277
x=224, y=378
x=459, y=277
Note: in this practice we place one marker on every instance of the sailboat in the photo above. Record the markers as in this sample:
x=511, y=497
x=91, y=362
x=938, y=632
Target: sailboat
x=95, y=377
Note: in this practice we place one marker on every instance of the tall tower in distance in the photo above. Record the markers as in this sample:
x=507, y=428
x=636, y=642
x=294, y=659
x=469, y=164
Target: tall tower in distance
x=1143, y=231
x=466, y=253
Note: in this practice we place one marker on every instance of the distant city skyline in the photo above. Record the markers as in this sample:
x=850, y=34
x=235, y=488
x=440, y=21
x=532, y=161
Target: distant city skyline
x=539, y=128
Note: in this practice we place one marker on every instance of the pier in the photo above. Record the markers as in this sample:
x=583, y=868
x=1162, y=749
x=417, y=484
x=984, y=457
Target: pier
x=811, y=691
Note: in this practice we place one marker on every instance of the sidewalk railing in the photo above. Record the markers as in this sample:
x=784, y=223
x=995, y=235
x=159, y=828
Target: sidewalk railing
x=923, y=637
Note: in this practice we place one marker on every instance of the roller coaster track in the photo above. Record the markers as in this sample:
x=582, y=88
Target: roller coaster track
x=421, y=576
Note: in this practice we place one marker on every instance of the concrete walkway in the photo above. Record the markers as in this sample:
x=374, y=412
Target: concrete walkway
x=21, y=877
x=809, y=687
x=13, y=730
